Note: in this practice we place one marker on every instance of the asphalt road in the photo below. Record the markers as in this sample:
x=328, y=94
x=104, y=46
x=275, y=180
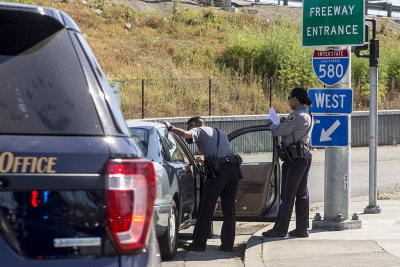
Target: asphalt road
x=388, y=165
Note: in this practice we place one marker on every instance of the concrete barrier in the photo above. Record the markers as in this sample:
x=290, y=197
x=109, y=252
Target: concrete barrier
x=388, y=124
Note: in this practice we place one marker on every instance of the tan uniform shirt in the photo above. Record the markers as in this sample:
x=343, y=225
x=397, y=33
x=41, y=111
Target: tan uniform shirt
x=295, y=128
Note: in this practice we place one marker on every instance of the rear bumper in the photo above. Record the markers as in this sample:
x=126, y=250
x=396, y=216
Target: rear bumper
x=149, y=257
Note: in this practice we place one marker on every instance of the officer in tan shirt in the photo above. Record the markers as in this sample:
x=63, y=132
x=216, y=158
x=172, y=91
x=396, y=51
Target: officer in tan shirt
x=295, y=132
x=221, y=182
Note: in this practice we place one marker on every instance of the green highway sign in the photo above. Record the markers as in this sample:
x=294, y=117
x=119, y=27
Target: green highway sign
x=333, y=23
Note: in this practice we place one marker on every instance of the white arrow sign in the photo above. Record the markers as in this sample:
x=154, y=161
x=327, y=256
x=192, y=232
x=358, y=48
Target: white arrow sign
x=325, y=134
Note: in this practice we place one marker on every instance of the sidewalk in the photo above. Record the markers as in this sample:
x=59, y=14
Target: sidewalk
x=377, y=243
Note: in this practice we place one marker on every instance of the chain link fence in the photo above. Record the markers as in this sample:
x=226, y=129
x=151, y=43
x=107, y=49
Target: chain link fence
x=184, y=97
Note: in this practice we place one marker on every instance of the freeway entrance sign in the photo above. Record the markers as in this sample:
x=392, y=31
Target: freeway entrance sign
x=330, y=65
x=330, y=131
x=333, y=22
x=338, y=101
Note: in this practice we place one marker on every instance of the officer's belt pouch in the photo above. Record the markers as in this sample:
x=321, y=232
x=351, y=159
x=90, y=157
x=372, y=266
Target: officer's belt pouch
x=296, y=150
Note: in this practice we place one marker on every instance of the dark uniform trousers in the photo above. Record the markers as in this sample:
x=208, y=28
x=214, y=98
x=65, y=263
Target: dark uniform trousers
x=224, y=185
x=294, y=187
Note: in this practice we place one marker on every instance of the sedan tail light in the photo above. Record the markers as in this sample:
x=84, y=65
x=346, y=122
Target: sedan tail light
x=130, y=185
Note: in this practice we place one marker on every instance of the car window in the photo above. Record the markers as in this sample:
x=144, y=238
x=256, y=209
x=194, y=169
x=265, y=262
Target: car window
x=184, y=156
x=162, y=152
x=141, y=137
x=170, y=145
x=42, y=85
x=254, y=146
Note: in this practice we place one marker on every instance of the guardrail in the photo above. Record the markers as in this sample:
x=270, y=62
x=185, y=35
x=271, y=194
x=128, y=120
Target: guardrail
x=369, y=5
x=388, y=125
x=382, y=6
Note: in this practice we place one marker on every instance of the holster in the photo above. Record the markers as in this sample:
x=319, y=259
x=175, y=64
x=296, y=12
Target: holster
x=238, y=159
x=211, y=165
x=280, y=152
x=283, y=152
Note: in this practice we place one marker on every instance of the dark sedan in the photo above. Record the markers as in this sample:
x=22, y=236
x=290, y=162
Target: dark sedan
x=178, y=181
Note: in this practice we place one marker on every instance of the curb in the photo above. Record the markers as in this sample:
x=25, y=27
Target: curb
x=387, y=239
x=253, y=256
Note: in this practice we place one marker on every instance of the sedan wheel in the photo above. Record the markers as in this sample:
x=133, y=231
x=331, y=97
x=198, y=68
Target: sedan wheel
x=168, y=241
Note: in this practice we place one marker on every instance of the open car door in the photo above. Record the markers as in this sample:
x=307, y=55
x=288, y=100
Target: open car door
x=258, y=194
x=198, y=174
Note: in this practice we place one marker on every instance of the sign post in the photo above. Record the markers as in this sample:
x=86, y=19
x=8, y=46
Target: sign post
x=332, y=130
x=337, y=24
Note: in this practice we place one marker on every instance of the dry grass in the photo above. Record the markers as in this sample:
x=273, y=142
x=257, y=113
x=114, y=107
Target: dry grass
x=392, y=194
x=176, y=53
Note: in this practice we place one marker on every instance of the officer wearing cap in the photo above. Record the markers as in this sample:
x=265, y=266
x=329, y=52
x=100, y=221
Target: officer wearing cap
x=222, y=181
x=295, y=131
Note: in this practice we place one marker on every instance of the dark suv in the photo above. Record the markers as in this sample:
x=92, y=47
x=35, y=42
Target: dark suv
x=74, y=187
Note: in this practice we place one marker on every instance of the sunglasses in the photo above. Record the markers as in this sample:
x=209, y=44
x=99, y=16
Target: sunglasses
x=289, y=97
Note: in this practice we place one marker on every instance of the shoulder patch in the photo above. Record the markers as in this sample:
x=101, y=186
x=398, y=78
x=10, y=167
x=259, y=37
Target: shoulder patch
x=291, y=117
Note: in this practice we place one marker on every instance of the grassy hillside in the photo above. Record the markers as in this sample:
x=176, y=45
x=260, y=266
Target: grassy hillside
x=178, y=53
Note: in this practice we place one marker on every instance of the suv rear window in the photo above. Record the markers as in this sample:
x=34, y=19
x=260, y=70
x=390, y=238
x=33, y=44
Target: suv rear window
x=42, y=85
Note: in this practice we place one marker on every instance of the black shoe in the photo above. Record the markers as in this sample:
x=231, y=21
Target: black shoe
x=225, y=249
x=273, y=233
x=191, y=247
x=298, y=233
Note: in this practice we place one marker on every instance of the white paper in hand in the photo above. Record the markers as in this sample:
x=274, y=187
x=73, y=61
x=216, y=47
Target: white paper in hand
x=273, y=116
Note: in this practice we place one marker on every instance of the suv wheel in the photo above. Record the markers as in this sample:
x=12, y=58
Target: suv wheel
x=169, y=240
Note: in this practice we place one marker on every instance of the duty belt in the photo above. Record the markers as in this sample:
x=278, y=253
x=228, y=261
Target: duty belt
x=227, y=159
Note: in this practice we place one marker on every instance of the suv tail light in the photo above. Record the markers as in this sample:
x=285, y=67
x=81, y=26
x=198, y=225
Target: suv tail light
x=130, y=198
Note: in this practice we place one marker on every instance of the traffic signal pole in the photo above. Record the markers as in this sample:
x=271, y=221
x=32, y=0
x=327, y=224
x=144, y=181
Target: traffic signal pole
x=373, y=121
x=373, y=56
